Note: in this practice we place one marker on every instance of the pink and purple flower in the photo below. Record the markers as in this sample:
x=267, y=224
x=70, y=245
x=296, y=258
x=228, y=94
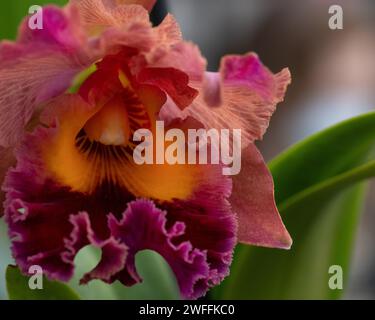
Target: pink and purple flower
x=73, y=181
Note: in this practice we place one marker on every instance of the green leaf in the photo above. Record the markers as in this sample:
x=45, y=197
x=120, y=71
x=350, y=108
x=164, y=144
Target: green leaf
x=12, y=13
x=18, y=288
x=319, y=193
x=158, y=279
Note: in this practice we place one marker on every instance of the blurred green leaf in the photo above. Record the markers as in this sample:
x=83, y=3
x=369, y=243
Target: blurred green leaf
x=18, y=288
x=12, y=13
x=319, y=195
x=158, y=280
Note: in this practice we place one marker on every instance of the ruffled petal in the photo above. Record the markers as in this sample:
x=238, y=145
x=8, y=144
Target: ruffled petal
x=40, y=65
x=113, y=256
x=48, y=223
x=113, y=4
x=97, y=15
x=174, y=82
x=7, y=159
x=169, y=31
x=61, y=28
x=184, y=56
x=143, y=226
x=196, y=236
x=210, y=225
x=147, y=4
x=129, y=25
x=259, y=220
x=243, y=96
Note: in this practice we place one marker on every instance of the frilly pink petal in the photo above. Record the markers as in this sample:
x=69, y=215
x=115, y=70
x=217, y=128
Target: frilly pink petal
x=40, y=65
x=112, y=25
x=173, y=81
x=61, y=27
x=147, y=4
x=101, y=13
x=259, y=220
x=169, y=30
x=243, y=96
x=184, y=56
x=112, y=4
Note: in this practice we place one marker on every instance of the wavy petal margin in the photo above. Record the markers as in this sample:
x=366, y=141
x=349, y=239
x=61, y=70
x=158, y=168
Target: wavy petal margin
x=243, y=95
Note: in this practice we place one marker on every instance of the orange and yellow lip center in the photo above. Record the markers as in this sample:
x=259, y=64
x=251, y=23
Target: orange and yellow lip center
x=94, y=147
x=110, y=126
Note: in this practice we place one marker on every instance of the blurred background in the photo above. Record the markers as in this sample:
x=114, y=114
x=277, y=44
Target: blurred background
x=333, y=74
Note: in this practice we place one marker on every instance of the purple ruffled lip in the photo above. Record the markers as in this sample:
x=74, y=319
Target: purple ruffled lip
x=50, y=223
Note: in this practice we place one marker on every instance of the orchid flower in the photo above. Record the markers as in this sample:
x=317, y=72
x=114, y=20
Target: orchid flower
x=70, y=179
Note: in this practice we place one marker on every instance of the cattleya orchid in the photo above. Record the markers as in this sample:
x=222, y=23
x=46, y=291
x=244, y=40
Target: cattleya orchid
x=71, y=180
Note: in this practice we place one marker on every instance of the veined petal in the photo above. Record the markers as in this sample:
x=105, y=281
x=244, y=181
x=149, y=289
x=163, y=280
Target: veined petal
x=113, y=4
x=40, y=65
x=242, y=96
x=169, y=31
x=100, y=14
x=148, y=4
x=259, y=220
x=184, y=56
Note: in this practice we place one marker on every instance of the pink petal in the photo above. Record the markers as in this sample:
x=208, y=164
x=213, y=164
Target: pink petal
x=169, y=30
x=102, y=13
x=243, y=96
x=61, y=27
x=174, y=82
x=184, y=56
x=7, y=159
x=114, y=27
x=113, y=4
x=147, y=4
x=40, y=65
x=253, y=200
